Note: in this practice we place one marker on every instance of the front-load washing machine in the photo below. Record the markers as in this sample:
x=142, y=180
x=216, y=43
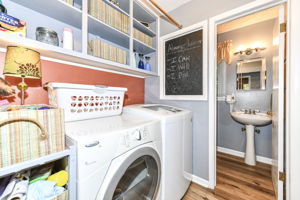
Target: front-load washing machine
x=117, y=157
x=176, y=126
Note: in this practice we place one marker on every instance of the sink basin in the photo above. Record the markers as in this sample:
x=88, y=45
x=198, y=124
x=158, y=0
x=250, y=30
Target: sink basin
x=250, y=121
x=259, y=119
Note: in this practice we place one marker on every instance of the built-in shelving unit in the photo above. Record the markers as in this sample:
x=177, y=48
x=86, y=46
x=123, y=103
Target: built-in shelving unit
x=87, y=27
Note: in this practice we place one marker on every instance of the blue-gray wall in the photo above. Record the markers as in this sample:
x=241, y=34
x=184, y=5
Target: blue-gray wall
x=229, y=131
x=188, y=14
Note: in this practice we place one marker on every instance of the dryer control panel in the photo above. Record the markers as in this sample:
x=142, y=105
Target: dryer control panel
x=138, y=136
x=135, y=137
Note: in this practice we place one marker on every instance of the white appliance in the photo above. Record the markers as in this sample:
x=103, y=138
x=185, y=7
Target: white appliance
x=117, y=157
x=176, y=126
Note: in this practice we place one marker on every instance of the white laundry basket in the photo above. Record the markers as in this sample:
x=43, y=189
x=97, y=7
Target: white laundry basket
x=86, y=101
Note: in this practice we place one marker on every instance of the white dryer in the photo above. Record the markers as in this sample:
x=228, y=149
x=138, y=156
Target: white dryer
x=176, y=126
x=117, y=157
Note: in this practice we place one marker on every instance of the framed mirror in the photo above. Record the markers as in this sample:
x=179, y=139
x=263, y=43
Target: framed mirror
x=251, y=74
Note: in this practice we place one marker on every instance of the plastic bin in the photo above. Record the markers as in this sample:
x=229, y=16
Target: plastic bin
x=82, y=102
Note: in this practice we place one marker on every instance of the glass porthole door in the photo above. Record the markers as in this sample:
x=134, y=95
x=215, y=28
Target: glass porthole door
x=140, y=179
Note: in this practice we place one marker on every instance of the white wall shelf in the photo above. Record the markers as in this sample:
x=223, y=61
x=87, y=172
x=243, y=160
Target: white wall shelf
x=138, y=25
x=59, y=53
x=143, y=48
x=56, y=9
x=97, y=27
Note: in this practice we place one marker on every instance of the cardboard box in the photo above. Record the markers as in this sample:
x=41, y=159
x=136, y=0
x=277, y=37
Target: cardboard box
x=12, y=25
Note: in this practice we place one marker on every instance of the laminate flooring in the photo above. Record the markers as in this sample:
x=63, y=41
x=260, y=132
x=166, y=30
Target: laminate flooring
x=236, y=181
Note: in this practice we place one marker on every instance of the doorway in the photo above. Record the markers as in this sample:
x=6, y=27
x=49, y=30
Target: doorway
x=240, y=83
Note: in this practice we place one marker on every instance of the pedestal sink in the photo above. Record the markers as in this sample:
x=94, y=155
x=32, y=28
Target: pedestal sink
x=250, y=121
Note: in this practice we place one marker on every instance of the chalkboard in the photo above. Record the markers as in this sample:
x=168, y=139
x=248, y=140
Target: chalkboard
x=184, y=64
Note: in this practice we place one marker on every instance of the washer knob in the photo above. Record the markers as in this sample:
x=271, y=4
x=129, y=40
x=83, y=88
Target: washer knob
x=137, y=135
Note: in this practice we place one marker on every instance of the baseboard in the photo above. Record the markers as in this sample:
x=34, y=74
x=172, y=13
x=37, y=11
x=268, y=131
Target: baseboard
x=242, y=154
x=200, y=181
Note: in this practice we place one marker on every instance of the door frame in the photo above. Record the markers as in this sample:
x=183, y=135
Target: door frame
x=292, y=102
x=236, y=13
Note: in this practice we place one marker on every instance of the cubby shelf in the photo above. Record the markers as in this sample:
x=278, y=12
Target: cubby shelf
x=116, y=7
x=97, y=27
x=59, y=53
x=142, y=14
x=34, y=162
x=143, y=48
x=56, y=9
x=138, y=25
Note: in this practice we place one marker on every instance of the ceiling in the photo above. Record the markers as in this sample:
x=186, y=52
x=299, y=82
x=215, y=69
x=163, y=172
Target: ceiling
x=255, y=18
x=169, y=5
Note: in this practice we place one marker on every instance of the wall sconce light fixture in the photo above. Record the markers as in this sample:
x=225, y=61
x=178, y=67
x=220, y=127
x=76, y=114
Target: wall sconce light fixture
x=249, y=51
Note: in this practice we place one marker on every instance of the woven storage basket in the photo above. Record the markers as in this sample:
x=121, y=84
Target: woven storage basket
x=28, y=134
x=63, y=196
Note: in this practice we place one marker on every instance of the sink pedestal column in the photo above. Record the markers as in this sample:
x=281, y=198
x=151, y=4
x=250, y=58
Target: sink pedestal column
x=250, y=157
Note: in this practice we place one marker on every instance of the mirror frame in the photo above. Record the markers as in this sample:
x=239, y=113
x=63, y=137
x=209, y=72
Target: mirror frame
x=263, y=75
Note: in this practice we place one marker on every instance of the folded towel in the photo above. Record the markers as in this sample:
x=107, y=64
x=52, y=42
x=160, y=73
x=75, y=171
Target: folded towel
x=43, y=190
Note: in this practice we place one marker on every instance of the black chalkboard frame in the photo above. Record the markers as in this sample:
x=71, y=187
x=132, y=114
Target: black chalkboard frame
x=202, y=26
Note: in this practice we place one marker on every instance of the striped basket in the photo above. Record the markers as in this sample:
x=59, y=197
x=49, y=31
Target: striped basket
x=63, y=196
x=29, y=134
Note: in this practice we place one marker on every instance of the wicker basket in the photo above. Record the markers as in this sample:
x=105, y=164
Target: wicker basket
x=63, y=196
x=28, y=134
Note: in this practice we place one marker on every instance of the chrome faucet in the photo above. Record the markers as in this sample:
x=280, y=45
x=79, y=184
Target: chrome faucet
x=250, y=111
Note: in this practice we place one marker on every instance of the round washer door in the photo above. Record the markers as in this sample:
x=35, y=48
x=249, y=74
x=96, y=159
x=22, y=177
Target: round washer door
x=137, y=178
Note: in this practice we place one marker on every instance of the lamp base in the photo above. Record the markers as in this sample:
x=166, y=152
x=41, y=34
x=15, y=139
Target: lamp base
x=22, y=87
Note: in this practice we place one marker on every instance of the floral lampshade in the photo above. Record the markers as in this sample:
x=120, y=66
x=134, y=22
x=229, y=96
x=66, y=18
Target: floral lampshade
x=22, y=62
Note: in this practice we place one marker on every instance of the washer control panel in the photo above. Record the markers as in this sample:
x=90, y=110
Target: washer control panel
x=135, y=137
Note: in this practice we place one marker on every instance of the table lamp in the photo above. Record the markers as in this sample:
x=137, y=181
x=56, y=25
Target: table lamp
x=24, y=63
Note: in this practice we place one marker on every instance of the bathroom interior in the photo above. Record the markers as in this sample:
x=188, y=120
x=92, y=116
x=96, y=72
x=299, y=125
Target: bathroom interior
x=247, y=54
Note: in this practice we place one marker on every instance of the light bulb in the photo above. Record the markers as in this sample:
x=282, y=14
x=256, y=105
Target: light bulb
x=276, y=41
x=241, y=48
x=258, y=44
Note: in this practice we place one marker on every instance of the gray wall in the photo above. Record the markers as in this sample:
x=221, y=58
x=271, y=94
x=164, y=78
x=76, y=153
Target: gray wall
x=229, y=131
x=188, y=14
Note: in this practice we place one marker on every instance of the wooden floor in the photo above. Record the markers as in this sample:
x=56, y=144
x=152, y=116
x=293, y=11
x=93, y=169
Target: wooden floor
x=236, y=181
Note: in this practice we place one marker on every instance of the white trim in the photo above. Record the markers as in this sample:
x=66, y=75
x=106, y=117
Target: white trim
x=293, y=99
x=200, y=181
x=213, y=22
x=240, y=154
x=199, y=26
